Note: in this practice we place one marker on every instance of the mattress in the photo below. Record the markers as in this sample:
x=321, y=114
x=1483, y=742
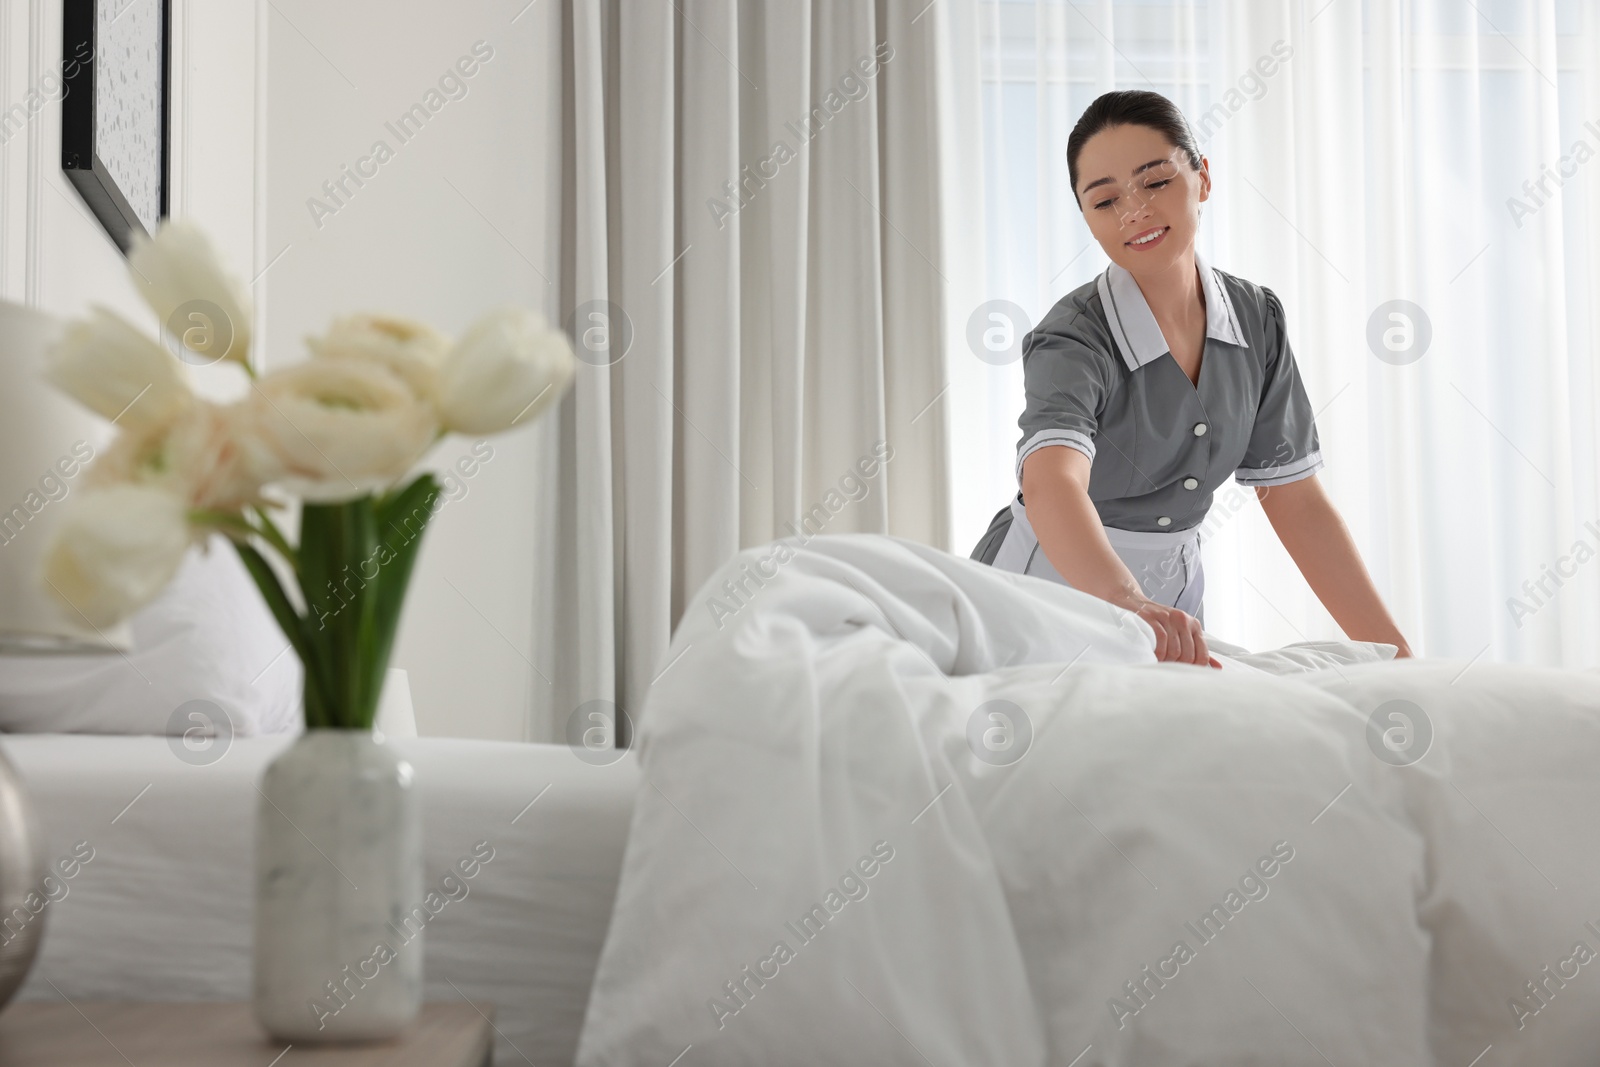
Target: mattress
x=162, y=910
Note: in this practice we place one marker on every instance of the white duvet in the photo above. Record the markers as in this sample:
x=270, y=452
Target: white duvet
x=898, y=807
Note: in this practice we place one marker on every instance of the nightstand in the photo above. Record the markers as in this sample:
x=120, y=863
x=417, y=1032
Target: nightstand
x=220, y=1034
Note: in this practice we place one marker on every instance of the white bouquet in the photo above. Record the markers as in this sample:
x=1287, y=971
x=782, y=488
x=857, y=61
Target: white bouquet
x=343, y=431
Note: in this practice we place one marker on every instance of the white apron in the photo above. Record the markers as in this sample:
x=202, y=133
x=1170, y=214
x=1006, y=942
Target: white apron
x=1165, y=564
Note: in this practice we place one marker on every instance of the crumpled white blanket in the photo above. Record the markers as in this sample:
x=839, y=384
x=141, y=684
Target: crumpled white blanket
x=899, y=807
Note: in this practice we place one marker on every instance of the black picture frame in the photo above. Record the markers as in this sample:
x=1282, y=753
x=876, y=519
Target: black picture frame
x=80, y=156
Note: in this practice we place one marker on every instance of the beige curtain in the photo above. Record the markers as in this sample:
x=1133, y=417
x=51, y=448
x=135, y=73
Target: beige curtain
x=750, y=246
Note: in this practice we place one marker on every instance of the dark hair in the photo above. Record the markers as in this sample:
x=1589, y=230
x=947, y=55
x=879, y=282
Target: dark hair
x=1130, y=107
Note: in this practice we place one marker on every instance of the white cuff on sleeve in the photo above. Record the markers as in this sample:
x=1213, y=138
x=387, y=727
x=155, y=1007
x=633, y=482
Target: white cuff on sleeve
x=1045, y=438
x=1292, y=471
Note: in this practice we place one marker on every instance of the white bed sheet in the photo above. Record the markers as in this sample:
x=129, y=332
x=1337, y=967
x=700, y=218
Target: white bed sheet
x=163, y=910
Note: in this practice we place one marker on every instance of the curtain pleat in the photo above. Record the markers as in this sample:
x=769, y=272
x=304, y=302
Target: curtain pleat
x=910, y=187
x=578, y=614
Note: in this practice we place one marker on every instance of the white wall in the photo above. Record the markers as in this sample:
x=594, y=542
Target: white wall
x=461, y=217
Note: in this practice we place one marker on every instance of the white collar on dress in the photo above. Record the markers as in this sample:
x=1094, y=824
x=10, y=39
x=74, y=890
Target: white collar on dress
x=1134, y=325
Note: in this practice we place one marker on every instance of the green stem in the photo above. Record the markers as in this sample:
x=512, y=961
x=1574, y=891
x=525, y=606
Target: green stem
x=236, y=525
x=273, y=536
x=352, y=563
x=224, y=520
x=294, y=628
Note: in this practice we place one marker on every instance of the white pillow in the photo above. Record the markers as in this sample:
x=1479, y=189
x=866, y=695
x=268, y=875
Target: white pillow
x=396, y=718
x=207, y=638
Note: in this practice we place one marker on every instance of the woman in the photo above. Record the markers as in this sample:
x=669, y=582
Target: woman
x=1152, y=385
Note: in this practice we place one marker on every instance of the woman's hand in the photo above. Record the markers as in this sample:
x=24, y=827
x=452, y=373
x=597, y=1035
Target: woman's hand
x=1056, y=484
x=1178, y=635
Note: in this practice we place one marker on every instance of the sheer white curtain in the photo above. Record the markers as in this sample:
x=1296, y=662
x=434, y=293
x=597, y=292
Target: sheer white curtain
x=1438, y=152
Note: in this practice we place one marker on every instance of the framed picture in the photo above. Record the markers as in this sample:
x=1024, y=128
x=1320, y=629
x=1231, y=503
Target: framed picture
x=116, y=64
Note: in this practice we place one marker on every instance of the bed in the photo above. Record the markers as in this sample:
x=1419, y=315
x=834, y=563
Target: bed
x=893, y=806
x=162, y=908
x=899, y=807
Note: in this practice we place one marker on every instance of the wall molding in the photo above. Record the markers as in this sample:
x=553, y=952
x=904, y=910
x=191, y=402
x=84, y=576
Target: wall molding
x=180, y=69
x=6, y=64
x=259, y=260
x=33, y=270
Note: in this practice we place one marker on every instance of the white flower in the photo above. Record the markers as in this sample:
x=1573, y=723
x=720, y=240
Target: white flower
x=114, y=550
x=339, y=428
x=179, y=275
x=508, y=368
x=111, y=367
x=218, y=461
x=207, y=457
x=412, y=350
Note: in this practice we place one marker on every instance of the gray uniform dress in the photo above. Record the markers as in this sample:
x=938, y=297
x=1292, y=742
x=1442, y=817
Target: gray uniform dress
x=1099, y=378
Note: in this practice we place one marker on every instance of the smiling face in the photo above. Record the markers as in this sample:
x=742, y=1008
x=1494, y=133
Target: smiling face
x=1152, y=193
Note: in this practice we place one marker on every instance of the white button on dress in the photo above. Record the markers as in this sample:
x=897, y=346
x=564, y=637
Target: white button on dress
x=1165, y=520
x=1199, y=429
x=1191, y=483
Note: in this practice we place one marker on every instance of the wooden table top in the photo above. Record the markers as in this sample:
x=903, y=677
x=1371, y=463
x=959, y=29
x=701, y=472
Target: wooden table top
x=101, y=1034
